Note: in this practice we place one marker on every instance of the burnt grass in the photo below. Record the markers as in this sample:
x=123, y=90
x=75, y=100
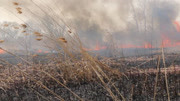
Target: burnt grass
x=133, y=86
x=136, y=87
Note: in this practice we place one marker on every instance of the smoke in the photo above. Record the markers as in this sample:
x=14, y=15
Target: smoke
x=165, y=15
x=133, y=22
x=151, y=22
x=93, y=18
x=130, y=22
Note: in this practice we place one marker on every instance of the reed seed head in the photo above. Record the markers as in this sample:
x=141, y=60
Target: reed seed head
x=26, y=34
x=18, y=8
x=15, y=3
x=19, y=64
x=1, y=41
x=23, y=31
x=20, y=12
x=37, y=33
x=38, y=39
x=6, y=25
x=69, y=31
x=63, y=40
x=16, y=27
x=35, y=55
x=23, y=25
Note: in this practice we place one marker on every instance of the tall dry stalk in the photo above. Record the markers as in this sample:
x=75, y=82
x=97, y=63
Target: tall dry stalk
x=156, y=81
x=166, y=79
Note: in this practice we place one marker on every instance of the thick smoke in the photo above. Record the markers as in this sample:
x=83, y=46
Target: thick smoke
x=93, y=18
x=133, y=22
x=129, y=21
x=151, y=22
x=165, y=15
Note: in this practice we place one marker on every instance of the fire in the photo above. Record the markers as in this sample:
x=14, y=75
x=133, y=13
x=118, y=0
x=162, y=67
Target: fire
x=166, y=42
x=39, y=51
x=46, y=52
x=177, y=25
x=98, y=47
x=148, y=45
x=129, y=46
x=2, y=51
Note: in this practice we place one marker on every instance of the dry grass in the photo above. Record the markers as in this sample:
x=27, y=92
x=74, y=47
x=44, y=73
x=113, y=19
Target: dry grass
x=15, y=3
x=78, y=72
x=63, y=73
x=38, y=39
x=6, y=25
x=63, y=40
x=66, y=68
x=24, y=25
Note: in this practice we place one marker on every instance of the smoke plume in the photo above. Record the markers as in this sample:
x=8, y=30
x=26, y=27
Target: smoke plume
x=131, y=22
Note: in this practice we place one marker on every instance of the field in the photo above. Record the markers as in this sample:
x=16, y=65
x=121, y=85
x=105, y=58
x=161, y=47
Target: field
x=132, y=78
x=89, y=50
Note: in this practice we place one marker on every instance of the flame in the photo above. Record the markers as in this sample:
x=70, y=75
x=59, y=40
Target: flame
x=2, y=51
x=46, y=52
x=177, y=25
x=166, y=42
x=148, y=45
x=129, y=46
x=39, y=51
x=98, y=47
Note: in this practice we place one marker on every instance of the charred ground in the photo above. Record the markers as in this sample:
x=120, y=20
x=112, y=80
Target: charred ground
x=134, y=77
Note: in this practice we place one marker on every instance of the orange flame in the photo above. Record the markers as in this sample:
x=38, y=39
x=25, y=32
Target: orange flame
x=2, y=51
x=39, y=51
x=167, y=42
x=46, y=52
x=177, y=25
x=148, y=45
